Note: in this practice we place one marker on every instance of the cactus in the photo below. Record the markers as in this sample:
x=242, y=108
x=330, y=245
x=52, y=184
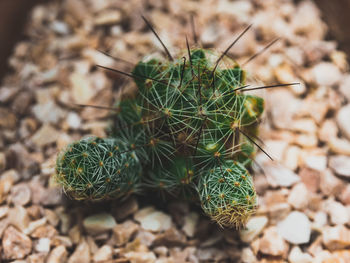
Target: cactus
x=95, y=168
x=190, y=127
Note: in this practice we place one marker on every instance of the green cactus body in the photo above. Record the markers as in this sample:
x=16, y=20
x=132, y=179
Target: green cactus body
x=188, y=127
x=95, y=168
x=227, y=194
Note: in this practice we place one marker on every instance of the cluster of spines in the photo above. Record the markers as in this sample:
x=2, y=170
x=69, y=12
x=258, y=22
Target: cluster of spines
x=95, y=168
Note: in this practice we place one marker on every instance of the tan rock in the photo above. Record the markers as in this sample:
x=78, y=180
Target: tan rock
x=340, y=164
x=99, y=223
x=123, y=232
x=81, y=254
x=18, y=216
x=45, y=135
x=339, y=146
x=298, y=197
x=336, y=237
x=191, y=221
x=15, y=244
x=153, y=220
x=330, y=184
x=297, y=256
x=310, y=178
x=125, y=209
x=272, y=243
x=278, y=175
x=108, y=17
x=253, y=228
x=343, y=120
x=141, y=257
x=337, y=212
x=58, y=255
x=328, y=130
x=291, y=159
x=103, y=254
x=20, y=194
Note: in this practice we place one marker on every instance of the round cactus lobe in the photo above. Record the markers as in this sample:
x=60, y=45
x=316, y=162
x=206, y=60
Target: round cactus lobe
x=227, y=194
x=95, y=168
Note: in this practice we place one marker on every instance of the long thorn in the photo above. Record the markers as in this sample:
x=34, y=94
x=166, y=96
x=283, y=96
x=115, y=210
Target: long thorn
x=182, y=72
x=230, y=46
x=115, y=58
x=257, y=145
x=260, y=52
x=199, y=135
x=189, y=55
x=155, y=33
x=267, y=87
x=131, y=75
x=193, y=29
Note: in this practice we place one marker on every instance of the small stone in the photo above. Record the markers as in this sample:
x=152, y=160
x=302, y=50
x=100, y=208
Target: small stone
x=306, y=140
x=48, y=112
x=146, y=238
x=295, y=228
x=191, y=221
x=45, y=135
x=343, y=88
x=82, y=89
x=3, y=211
x=298, y=197
x=125, y=209
x=123, y=232
x=170, y=237
x=320, y=220
x=7, y=93
x=330, y=184
x=99, y=223
x=36, y=258
x=328, y=130
x=20, y=194
x=15, y=244
x=81, y=254
x=343, y=120
x=337, y=237
x=272, y=243
x=103, y=254
x=2, y=161
x=248, y=255
x=278, y=211
x=73, y=120
x=316, y=162
x=108, y=17
x=43, y=245
x=306, y=125
x=61, y=240
x=8, y=119
x=42, y=231
x=339, y=146
x=297, y=256
x=153, y=220
x=161, y=251
x=253, y=228
x=291, y=159
x=340, y=164
x=18, y=216
x=337, y=212
x=58, y=255
x=326, y=74
x=33, y=225
x=278, y=175
x=141, y=257
x=310, y=178
x=344, y=196
x=59, y=27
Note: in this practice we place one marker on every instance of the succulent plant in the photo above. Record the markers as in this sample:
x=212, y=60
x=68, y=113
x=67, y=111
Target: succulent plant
x=190, y=126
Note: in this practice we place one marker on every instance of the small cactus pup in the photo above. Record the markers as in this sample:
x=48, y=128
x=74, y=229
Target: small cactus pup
x=227, y=194
x=95, y=168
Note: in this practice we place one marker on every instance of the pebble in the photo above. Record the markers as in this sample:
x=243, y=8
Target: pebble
x=99, y=223
x=310, y=178
x=339, y=146
x=48, y=112
x=82, y=90
x=316, y=162
x=123, y=232
x=33, y=225
x=104, y=253
x=73, y=120
x=141, y=257
x=340, y=164
x=58, y=255
x=43, y=245
x=3, y=211
x=337, y=237
x=272, y=243
x=297, y=256
x=328, y=130
x=81, y=254
x=15, y=244
x=343, y=88
x=329, y=183
x=326, y=74
x=291, y=158
x=20, y=194
x=8, y=119
x=18, y=216
x=298, y=196
x=278, y=175
x=343, y=120
x=295, y=228
x=125, y=209
x=45, y=135
x=108, y=17
x=338, y=213
x=190, y=224
x=253, y=228
x=153, y=220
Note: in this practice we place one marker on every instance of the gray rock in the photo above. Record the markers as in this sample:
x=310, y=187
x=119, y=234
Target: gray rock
x=99, y=223
x=278, y=175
